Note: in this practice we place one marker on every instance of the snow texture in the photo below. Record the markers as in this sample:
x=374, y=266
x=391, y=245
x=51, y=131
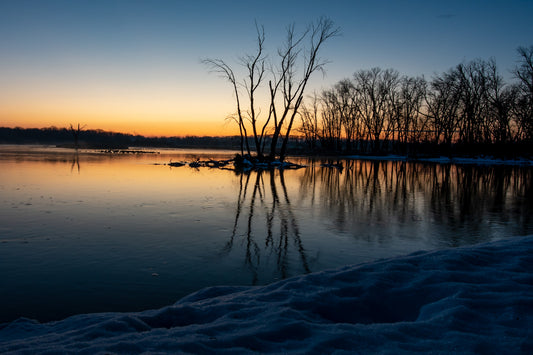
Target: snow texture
x=475, y=299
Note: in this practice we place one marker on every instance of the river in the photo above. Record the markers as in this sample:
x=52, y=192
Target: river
x=91, y=231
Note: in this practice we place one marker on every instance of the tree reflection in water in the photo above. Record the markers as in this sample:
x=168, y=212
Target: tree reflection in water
x=455, y=203
x=75, y=162
x=378, y=203
x=282, y=230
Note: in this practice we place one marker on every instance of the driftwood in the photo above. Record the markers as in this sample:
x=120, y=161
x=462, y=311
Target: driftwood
x=176, y=163
x=239, y=164
x=127, y=151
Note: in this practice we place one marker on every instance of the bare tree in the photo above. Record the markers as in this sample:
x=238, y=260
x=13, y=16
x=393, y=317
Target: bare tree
x=443, y=107
x=411, y=121
x=501, y=99
x=310, y=116
x=376, y=94
x=470, y=105
x=224, y=69
x=390, y=81
x=472, y=81
x=255, y=67
x=293, y=89
x=76, y=134
x=286, y=84
x=524, y=108
x=331, y=120
x=345, y=102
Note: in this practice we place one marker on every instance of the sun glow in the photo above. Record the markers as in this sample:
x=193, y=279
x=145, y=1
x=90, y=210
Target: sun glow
x=134, y=117
x=121, y=104
x=148, y=127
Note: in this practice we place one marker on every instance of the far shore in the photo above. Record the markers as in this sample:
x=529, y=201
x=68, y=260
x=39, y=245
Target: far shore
x=479, y=160
x=124, y=150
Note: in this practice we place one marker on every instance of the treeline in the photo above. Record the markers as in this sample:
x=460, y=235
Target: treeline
x=102, y=139
x=469, y=109
x=63, y=136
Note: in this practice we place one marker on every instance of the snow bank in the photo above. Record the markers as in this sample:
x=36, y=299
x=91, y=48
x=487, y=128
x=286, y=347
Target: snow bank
x=470, y=300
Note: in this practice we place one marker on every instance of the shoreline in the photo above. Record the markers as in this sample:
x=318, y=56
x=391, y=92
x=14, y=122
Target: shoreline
x=457, y=160
x=468, y=299
x=481, y=160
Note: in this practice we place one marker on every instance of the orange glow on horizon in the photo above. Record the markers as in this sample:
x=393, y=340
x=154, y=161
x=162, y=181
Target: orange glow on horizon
x=169, y=128
x=148, y=128
x=152, y=115
x=178, y=129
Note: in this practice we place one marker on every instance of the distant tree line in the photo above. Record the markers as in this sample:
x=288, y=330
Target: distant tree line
x=468, y=109
x=99, y=139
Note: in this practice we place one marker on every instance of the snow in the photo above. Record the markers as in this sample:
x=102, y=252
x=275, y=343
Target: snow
x=476, y=299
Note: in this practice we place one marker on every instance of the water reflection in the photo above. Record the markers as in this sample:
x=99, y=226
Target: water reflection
x=388, y=203
x=456, y=203
x=75, y=162
x=282, y=229
x=92, y=240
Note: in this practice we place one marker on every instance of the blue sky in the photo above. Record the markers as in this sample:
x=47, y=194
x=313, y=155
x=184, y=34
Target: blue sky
x=138, y=62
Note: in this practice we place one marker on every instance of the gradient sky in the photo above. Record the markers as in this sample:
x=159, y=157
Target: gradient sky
x=134, y=66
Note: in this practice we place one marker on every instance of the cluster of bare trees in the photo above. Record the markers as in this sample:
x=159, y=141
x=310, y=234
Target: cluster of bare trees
x=379, y=110
x=282, y=79
x=376, y=110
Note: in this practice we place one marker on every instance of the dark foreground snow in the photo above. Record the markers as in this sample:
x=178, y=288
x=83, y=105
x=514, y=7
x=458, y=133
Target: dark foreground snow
x=467, y=300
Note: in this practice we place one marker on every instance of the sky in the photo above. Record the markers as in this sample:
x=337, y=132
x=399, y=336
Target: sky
x=135, y=66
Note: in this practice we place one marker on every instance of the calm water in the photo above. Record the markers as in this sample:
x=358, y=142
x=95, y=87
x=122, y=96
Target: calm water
x=99, y=232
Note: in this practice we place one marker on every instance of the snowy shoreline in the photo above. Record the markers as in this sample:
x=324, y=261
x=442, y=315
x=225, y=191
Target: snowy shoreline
x=476, y=299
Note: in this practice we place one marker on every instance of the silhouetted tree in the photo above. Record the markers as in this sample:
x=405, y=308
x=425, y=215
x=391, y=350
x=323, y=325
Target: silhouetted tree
x=293, y=88
x=76, y=134
x=375, y=93
x=443, y=106
x=255, y=66
x=310, y=116
x=501, y=100
x=411, y=123
x=468, y=107
x=524, y=107
x=287, y=82
x=332, y=118
x=471, y=81
x=342, y=105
